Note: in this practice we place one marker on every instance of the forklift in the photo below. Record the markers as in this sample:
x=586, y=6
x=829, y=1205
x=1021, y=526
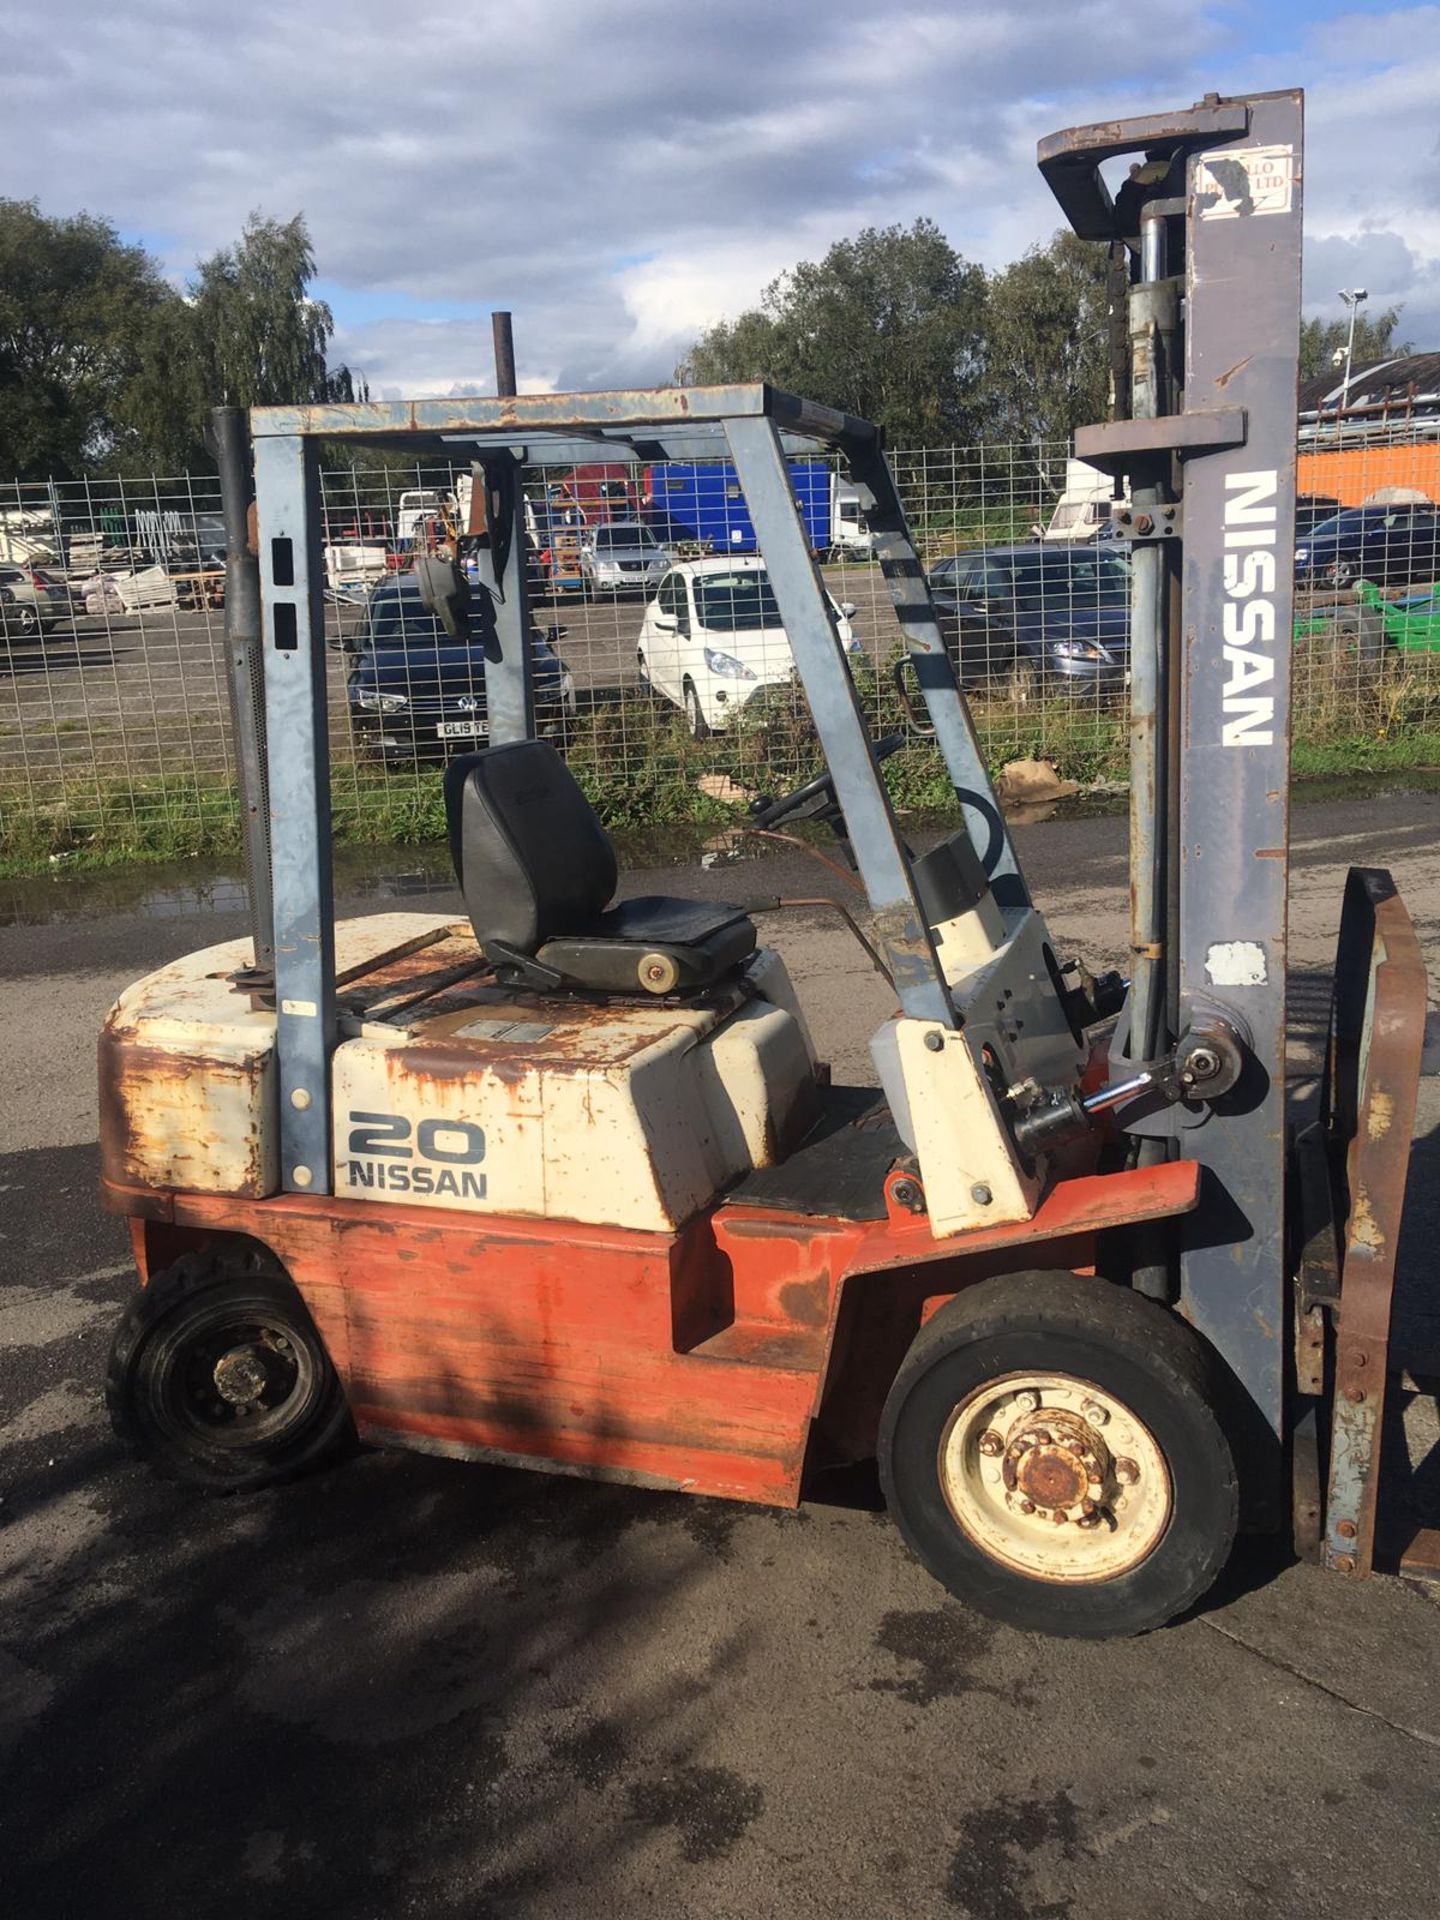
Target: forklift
x=561, y=1184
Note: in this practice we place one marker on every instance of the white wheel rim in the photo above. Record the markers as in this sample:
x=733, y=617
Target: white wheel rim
x=1055, y=1477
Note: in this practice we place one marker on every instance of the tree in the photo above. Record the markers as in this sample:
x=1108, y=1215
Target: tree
x=87, y=329
x=1046, y=328
x=262, y=340
x=888, y=326
x=1375, y=339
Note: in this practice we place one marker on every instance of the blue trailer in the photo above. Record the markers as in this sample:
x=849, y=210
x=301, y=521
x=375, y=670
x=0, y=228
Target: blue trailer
x=700, y=504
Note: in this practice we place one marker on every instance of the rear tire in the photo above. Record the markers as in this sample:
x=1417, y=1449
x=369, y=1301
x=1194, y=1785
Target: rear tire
x=21, y=621
x=1153, y=1513
x=642, y=670
x=695, y=723
x=219, y=1379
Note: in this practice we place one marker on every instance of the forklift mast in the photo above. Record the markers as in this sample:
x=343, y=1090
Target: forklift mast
x=1205, y=230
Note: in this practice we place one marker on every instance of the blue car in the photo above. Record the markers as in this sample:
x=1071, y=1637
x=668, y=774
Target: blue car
x=1387, y=545
x=1055, y=619
x=416, y=692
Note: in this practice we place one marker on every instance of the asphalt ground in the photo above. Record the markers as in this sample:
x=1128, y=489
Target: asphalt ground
x=412, y=1686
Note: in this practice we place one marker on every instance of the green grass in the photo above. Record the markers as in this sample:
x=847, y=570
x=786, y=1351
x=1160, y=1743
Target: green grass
x=1406, y=752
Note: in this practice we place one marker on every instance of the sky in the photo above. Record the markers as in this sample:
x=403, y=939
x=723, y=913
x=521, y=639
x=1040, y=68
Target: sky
x=623, y=173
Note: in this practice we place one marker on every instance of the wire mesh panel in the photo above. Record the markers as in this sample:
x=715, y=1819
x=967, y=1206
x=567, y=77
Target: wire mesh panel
x=662, y=668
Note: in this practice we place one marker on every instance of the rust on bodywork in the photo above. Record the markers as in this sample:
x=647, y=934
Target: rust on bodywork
x=402, y=979
x=173, y=1119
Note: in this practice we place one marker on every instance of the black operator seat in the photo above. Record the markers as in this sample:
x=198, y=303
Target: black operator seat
x=537, y=871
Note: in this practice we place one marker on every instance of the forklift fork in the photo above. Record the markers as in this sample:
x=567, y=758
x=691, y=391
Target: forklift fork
x=1351, y=1171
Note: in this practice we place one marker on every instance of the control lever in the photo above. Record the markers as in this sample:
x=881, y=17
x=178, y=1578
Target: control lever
x=1205, y=1064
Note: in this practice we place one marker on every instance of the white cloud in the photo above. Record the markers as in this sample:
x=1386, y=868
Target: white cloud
x=621, y=178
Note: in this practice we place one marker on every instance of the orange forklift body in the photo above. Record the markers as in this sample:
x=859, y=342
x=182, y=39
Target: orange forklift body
x=702, y=1360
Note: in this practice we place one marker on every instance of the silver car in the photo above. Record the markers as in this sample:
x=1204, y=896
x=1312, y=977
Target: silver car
x=622, y=557
x=33, y=600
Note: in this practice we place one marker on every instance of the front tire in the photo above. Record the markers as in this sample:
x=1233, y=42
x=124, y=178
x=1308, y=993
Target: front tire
x=1038, y=1395
x=696, y=724
x=218, y=1377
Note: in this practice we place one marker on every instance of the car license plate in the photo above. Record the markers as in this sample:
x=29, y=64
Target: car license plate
x=458, y=730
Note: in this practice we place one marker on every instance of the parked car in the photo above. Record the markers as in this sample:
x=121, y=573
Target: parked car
x=1310, y=510
x=1389, y=545
x=1055, y=617
x=414, y=690
x=712, y=638
x=622, y=556
x=35, y=602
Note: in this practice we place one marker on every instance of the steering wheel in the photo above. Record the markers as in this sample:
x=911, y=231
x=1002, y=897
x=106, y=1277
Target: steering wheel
x=816, y=794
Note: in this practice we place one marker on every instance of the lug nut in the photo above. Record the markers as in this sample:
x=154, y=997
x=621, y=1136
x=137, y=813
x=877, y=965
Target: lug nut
x=1126, y=1472
x=1090, y=1522
x=1059, y=1518
x=991, y=1444
x=1097, y=1415
x=1087, y=1507
x=1028, y=1401
x=1027, y=1506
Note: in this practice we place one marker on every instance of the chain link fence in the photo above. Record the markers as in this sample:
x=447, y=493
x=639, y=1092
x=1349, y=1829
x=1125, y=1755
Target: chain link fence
x=662, y=668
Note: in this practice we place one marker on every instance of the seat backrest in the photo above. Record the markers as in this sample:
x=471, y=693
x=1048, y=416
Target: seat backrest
x=530, y=854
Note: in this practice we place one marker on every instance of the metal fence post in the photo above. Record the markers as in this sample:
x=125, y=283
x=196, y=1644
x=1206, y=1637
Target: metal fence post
x=246, y=678
x=503, y=569
x=899, y=919
x=292, y=576
x=949, y=714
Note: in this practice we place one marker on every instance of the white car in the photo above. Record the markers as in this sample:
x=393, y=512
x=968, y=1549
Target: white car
x=712, y=639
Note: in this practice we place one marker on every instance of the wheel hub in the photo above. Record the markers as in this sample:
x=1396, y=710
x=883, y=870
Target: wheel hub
x=1057, y=1462
x=241, y=1375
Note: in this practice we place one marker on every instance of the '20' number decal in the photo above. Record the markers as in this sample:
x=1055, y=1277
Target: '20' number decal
x=450, y=1143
